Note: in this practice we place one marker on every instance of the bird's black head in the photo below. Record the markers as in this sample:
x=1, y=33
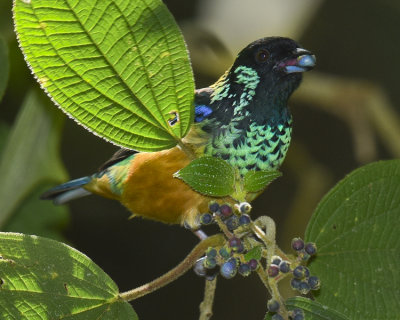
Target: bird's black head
x=259, y=83
x=277, y=61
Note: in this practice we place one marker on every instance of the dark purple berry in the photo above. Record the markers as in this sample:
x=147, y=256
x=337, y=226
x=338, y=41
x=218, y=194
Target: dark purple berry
x=273, y=305
x=314, y=283
x=240, y=249
x=295, y=283
x=244, y=207
x=236, y=244
x=304, y=288
x=211, y=253
x=273, y=271
x=301, y=272
x=225, y=210
x=244, y=269
x=253, y=263
x=232, y=223
x=276, y=260
x=244, y=219
x=206, y=218
x=199, y=267
x=310, y=248
x=297, y=244
x=214, y=207
x=284, y=267
x=277, y=316
x=229, y=268
x=225, y=253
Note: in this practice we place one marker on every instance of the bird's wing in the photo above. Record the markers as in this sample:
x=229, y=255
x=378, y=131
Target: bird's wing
x=118, y=156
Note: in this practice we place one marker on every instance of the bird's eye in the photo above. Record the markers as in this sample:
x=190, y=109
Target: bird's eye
x=262, y=55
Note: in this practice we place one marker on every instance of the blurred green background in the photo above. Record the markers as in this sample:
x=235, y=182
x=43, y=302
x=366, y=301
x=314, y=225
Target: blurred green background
x=346, y=114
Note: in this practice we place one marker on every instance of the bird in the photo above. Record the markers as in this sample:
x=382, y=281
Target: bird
x=243, y=119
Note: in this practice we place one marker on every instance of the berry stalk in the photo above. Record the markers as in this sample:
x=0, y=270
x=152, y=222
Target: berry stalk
x=179, y=270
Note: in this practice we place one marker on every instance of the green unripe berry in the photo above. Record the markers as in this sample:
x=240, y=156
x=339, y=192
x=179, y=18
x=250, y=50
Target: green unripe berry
x=225, y=253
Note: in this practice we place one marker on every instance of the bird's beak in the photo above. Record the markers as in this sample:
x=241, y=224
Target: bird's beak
x=304, y=60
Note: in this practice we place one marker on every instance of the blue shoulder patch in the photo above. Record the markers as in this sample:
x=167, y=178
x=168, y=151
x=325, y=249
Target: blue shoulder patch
x=201, y=112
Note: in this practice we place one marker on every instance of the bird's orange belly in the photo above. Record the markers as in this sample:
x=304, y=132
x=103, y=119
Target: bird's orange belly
x=151, y=190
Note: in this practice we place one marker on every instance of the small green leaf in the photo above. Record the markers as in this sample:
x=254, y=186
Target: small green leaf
x=356, y=229
x=209, y=175
x=314, y=310
x=120, y=68
x=32, y=149
x=4, y=66
x=255, y=181
x=45, y=279
x=254, y=253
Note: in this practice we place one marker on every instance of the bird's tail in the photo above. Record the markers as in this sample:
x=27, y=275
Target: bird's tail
x=67, y=191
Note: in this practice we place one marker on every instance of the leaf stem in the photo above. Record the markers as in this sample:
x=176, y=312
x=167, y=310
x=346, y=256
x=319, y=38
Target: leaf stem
x=179, y=270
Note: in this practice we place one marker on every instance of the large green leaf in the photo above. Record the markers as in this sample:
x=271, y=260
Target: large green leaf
x=45, y=279
x=209, y=175
x=30, y=155
x=120, y=68
x=4, y=66
x=356, y=229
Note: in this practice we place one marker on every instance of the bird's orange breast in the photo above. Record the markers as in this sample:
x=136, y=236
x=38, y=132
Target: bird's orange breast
x=151, y=191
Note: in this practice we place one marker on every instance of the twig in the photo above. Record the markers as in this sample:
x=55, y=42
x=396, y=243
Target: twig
x=206, y=305
x=179, y=270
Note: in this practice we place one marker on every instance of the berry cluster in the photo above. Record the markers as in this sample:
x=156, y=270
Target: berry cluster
x=229, y=259
x=278, y=265
x=227, y=214
x=302, y=281
x=304, y=250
